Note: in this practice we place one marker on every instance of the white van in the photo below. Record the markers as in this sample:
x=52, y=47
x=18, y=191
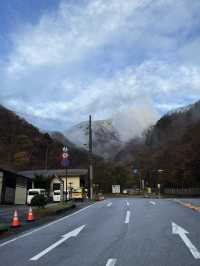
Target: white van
x=33, y=192
x=56, y=196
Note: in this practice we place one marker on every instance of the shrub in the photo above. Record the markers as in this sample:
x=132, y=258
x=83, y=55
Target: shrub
x=39, y=201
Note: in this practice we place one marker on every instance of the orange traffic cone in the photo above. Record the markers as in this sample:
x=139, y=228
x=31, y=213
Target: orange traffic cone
x=15, y=221
x=30, y=216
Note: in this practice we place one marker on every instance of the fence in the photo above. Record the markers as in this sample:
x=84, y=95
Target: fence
x=182, y=191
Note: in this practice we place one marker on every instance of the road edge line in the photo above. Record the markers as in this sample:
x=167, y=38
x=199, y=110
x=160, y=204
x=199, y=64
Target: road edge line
x=45, y=226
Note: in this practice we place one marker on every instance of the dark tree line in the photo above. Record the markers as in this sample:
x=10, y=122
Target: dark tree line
x=172, y=146
x=23, y=146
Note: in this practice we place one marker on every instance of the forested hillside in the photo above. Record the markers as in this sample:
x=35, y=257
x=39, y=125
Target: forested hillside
x=23, y=146
x=170, y=153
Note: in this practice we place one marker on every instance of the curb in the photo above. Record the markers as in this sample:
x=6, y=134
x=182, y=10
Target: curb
x=189, y=205
x=7, y=231
x=4, y=228
x=65, y=209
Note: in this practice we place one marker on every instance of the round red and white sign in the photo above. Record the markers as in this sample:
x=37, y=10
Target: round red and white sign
x=65, y=155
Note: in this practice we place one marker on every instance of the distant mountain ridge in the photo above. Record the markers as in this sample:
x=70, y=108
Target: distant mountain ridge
x=60, y=137
x=172, y=126
x=173, y=145
x=23, y=146
x=106, y=139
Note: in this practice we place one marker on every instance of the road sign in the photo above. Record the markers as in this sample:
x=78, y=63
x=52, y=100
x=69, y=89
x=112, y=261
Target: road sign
x=65, y=155
x=65, y=149
x=115, y=189
x=65, y=162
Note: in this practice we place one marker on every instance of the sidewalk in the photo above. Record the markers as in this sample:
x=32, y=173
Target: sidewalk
x=6, y=212
x=193, y=204
x=43, y=216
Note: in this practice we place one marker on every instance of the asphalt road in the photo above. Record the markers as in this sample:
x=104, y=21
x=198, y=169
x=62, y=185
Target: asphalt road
x=112, y=232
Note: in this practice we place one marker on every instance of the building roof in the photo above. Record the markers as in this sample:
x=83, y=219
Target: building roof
x=20, y=174
x=54, y=172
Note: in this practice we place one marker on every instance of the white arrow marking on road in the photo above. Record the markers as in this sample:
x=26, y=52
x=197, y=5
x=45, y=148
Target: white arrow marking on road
x=109, y=204
x=152, y=202
x=127, y=203
x=73, y=233
x=111, y=262
x=178, y=230
x=127, y=219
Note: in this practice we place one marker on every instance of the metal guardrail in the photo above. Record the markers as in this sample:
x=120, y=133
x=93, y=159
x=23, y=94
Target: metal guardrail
x=182, y=191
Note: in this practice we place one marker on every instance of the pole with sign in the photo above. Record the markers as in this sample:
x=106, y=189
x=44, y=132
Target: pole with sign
x=65, y=164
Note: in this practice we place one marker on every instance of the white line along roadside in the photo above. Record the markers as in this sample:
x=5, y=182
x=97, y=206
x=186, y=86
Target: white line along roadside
x=45, y=226
x=127, y=219
x=178, y=230
x=152, y=203
x=73, y=233
x=109, y=204
x=111, y=262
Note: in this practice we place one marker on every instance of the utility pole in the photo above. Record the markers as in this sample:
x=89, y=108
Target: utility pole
x=90, y=158
x=46, y=157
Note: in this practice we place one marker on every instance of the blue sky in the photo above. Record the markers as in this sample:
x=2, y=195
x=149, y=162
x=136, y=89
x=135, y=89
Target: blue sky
x=63, y=60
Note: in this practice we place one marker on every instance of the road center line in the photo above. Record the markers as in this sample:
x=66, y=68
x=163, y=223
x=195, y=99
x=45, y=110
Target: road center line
x=127, y=219
x=127, y=203
x=109, y=204
x=152, y=203
x=111, y=262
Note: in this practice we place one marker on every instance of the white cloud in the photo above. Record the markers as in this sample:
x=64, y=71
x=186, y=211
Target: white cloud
x=133, y=121
x=70, y=34
x=105, y=58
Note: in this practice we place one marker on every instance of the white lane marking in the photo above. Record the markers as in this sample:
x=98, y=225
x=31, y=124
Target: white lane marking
x=111, y=262
x=127, y=219
x=178, y=230
x=73, y=233
x=45, y=226
x=127, y=203
x=152, y=202
x=109, y=204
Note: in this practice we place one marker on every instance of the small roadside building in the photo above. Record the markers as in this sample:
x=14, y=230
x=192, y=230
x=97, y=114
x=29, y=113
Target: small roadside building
x=13, y=187
x=70, y=178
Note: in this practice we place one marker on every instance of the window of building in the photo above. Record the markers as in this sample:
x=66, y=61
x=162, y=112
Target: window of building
x=56, y=186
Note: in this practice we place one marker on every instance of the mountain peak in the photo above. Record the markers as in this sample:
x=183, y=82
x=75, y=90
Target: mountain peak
x=106, y=139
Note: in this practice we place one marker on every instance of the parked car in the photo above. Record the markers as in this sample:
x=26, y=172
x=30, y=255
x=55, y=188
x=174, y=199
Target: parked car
x=99, y=197
x=56, y=196
x=78, y=194
x=33, y=192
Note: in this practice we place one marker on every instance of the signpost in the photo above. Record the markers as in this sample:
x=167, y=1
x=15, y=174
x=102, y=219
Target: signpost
x=65, y=164
x=116, y=189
